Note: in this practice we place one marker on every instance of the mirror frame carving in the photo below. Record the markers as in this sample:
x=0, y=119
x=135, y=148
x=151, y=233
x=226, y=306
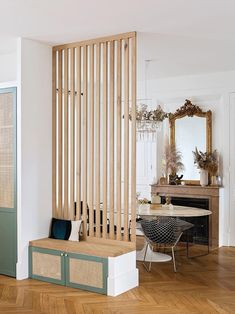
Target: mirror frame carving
x=190, y=110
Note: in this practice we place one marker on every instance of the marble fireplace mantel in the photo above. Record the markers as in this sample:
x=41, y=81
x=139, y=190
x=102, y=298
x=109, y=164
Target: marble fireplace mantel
x=186, y=191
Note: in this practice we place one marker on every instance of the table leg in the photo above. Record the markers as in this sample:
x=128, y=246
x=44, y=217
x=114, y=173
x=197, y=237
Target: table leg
x=152, y=256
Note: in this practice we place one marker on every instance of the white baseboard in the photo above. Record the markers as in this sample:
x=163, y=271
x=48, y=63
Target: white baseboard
x=122, y=273
x=123, y=283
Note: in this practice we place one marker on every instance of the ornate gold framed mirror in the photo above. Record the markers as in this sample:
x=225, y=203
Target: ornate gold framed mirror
x=191, y=127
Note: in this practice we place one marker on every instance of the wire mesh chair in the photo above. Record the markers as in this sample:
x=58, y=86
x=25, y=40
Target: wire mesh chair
x=161, y=232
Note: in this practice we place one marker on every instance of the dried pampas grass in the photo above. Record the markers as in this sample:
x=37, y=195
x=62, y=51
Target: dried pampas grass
x=172, y=159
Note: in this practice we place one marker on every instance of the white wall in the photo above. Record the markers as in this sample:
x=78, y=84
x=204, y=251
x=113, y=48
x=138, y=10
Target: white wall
x=8, y=67
x=8, y=61
x=146, y=159
x=34, y=146
x=210, y=91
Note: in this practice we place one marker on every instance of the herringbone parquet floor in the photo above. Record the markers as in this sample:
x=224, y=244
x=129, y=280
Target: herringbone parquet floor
x=202, y=285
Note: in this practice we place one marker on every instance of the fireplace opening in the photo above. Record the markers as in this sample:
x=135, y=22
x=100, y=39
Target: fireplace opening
x=200, y=233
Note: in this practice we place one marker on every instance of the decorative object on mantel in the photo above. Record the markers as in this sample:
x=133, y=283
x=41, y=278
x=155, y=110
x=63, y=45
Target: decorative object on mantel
x=218, y=181
x=148, y=121
x=207, y=163
x=162, y=181
x=172, y=163
x=213, y=167
x=203, y=177
x=174, y=179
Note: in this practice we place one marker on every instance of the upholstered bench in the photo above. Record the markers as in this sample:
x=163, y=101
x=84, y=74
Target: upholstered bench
x=103, y=266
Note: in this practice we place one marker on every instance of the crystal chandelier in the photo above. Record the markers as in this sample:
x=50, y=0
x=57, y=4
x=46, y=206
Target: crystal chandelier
x=148, y=122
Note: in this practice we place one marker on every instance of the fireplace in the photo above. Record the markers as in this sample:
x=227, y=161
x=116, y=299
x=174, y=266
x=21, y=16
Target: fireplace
x=200, y=197
x=200, y=233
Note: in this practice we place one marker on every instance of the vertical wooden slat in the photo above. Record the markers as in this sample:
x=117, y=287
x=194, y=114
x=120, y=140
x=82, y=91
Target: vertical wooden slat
x=78, y=138
x=97, y=167
x=65, y=123
x=111, y=140
x=84, y=173
x=126, y=139
x=104, y=233
x=133, y=143
x=118, y=144
x=54, y=177
x=65, y=152
x=91, y=139
x=71, y=126
x=59, y=139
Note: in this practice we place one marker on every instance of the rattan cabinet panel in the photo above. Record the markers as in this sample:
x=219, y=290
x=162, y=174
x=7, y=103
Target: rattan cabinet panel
x=70, y=269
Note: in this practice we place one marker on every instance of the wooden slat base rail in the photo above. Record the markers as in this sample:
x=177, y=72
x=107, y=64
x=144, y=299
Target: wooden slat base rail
x=209, y=192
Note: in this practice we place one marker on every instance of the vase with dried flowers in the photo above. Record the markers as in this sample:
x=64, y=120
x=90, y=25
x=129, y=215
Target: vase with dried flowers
x=207, y=163
x=172, y=163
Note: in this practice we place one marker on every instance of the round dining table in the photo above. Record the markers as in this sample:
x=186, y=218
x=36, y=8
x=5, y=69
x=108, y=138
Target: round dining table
x=152, y=210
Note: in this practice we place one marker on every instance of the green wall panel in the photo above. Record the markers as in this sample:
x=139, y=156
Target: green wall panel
x=8, y=243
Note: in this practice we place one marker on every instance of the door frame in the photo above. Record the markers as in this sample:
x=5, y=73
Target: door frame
x=231, y=190
x=13, y=211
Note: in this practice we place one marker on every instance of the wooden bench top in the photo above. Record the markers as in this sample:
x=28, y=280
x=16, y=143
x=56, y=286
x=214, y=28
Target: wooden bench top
x=92, y=246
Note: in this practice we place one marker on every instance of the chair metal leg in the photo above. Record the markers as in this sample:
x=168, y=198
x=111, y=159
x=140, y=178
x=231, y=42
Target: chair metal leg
x=150, y=263
x=173, y=259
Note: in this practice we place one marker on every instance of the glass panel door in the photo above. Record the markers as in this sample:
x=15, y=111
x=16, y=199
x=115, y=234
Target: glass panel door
x=8, y=181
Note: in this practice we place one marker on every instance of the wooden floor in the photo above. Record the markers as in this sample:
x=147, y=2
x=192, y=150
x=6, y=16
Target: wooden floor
x=202, y=285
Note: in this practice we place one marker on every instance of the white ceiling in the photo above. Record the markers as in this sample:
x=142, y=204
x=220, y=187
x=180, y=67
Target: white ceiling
x=171, y=55
x=181, y=36
x=59, y=21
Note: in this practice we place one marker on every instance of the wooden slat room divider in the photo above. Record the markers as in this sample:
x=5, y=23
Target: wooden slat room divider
x=94, y=135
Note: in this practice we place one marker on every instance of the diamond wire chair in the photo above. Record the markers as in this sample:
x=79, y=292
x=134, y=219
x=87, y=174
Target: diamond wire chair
x=162, y=231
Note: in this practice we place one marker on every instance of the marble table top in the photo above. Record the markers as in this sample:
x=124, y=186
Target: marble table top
x=175, y=211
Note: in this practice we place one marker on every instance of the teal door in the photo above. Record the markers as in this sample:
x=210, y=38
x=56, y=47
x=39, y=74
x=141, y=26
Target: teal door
x=47, y=265
x=8, y=245
x=86, y=272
